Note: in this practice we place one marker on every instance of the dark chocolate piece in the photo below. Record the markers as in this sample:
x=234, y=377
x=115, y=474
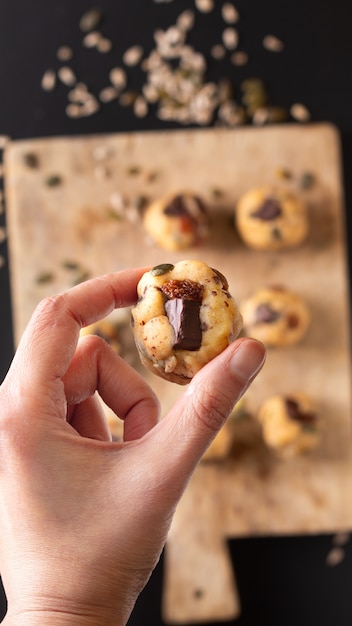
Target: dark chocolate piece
x=269, y=210
x=266, y=315
x=179, y=207
x=184, y=317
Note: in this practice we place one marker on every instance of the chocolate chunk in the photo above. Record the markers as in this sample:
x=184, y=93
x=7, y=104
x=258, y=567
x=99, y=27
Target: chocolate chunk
x=266, y=315
x=269, y=210
x=183, y=206
x=184, y=318
x=294, y=412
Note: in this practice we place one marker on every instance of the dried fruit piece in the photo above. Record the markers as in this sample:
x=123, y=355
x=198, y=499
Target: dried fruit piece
x=185, y=289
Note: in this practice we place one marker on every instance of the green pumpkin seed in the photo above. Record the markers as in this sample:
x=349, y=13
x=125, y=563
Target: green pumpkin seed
x=161, y=269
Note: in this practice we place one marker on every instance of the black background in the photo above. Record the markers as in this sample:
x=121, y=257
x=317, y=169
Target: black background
x=282, y=581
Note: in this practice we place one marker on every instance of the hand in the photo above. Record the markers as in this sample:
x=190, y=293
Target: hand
x=84, y=519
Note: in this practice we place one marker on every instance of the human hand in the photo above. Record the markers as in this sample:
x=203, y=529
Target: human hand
x=84, y=519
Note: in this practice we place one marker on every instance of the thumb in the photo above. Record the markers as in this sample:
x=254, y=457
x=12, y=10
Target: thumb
x=192, y=423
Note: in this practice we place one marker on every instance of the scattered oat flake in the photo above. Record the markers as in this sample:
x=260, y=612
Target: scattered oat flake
x=133, y=55
x=91, y=19
x=101, y=172
x=230, y=38
x=229, y=13
x=64, y=53
x=299, y=112
x=74, y=110
x=273, y=43
x=204, y=6
x=48, y=80
x=335, y=557
x=100, y=153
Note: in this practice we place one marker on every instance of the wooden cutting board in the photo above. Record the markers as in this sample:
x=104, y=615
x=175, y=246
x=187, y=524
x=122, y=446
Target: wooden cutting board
x=61, y=196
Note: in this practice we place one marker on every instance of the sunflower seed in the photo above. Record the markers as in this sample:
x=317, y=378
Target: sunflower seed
x=273, y=43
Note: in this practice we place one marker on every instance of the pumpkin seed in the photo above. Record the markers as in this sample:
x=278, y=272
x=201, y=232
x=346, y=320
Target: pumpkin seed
x=161, y=269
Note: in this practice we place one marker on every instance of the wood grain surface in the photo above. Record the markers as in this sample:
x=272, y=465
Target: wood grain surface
x=50, y=224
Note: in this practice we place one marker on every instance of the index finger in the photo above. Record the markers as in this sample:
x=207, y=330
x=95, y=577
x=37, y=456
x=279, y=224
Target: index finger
x=50, y=339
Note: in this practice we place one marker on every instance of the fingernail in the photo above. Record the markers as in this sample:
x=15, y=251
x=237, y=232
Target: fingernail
x=248, y=359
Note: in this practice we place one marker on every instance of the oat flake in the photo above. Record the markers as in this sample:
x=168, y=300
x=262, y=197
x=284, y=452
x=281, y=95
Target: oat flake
x=133, y=55
x=272, y=43
x=204, y=6
x=229, y=13
x=299, y=112
x=230, y=38
x=335, y=557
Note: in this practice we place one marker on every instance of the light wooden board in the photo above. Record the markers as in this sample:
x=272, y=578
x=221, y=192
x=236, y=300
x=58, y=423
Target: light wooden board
x=252, y=493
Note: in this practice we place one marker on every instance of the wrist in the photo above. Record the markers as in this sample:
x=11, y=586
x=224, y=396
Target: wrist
x=61, y=618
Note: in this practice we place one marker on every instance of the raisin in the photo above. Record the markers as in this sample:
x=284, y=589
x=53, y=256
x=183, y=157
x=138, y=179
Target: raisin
x=184, y=289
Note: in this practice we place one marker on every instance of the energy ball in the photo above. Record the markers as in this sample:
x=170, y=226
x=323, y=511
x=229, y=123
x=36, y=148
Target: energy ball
x=184, y=317
x=276, y=316
x=289, y=424
x=178, y=221
x=270, y=218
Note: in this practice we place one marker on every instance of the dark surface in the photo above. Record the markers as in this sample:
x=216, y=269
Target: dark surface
x=282, y=581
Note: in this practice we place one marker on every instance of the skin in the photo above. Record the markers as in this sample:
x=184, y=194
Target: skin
x=84, y=519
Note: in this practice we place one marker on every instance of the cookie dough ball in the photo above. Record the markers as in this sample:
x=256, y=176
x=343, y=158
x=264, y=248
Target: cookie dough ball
x=289, y=424
x=276, y=316
x=184, y=317
x=177, y=221
x=269, y=218
x=105, y=329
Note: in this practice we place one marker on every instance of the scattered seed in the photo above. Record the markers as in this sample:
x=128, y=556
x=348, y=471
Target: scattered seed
x=117, y=202
x=272, y=43
x=341, y=538
x=134, y=170
x=230, y=38
x=161, y=269
x=84, y=275
x=70, y=265
x=128, y=98
x=90, y=106
x=218, y=52
x=306, y=181
x=108, y=94
x=64, y=53
x=44, y=277
x=335, y=557
x=229, y=13
x=2, y=234
x=100, y=153
x=299, y=112
x=67, y=75
x=239, y=58
x=74, y=110
x=48, y=80
x=92, y=39
x=101, y=172
x=133, y=55
x=204, y=6
x=118, y=77
x=104, y=45
x=185, y=20
x=91, y=19
x=283, y=172
x=140, y=107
